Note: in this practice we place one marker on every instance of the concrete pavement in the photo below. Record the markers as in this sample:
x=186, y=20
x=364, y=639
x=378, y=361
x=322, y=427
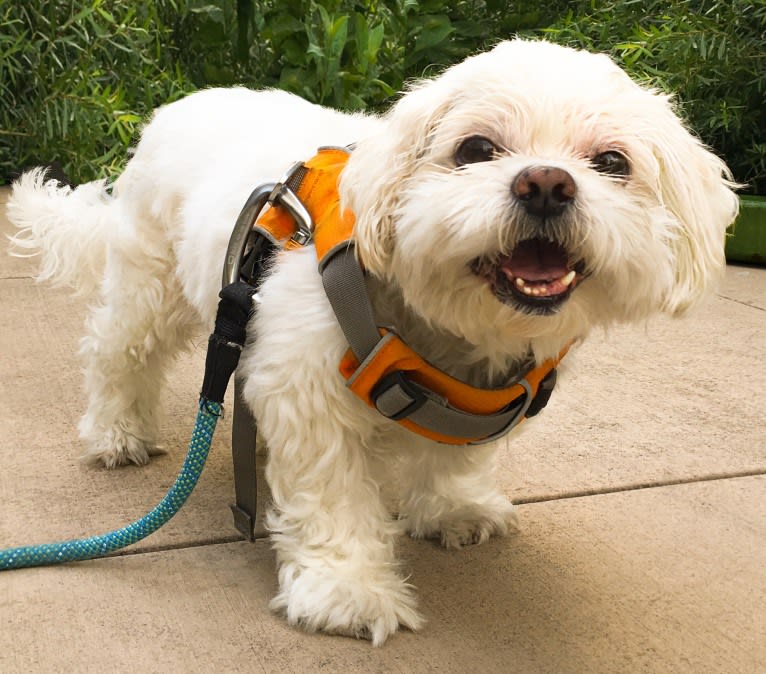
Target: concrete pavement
x=641, y=492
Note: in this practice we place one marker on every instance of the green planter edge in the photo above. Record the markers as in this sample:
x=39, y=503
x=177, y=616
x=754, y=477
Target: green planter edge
x=746, y=238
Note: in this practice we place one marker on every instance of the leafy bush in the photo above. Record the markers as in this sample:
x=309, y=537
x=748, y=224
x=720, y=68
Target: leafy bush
x=76, y=79
x=349, y=54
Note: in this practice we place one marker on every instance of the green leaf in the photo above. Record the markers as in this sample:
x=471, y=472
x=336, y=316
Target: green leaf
x=337, y=35
x=432, y=31
x=283, y=26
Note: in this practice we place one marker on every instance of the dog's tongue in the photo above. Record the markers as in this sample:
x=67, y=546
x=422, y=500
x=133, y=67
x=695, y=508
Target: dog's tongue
x=536, y=260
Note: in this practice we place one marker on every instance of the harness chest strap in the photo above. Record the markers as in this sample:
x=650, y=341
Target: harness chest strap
x=379, y=367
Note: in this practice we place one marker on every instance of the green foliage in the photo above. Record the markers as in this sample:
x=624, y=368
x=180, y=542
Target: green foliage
x=710, y=53
x=350, y=54
x=76, y=78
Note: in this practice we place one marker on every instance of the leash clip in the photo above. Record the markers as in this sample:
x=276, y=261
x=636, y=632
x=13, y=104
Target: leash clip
x=284, y=196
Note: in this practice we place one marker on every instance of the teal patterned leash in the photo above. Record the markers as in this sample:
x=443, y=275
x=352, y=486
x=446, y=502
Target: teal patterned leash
x=98, y=546
x=223, y=351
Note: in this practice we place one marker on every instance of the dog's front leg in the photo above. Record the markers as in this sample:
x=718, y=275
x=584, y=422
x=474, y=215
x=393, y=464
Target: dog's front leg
x=334, y=537
x=332, y=532
x=450, y=493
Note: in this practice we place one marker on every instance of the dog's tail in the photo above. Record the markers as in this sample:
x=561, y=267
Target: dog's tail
x=69, y=228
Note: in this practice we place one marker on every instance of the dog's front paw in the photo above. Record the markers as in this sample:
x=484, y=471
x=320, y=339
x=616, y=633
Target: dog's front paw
x=117, y=448
x=467, y=524
x=371, y=606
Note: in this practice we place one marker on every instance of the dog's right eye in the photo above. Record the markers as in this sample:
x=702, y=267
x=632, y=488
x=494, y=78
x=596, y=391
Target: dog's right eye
x=473, y=150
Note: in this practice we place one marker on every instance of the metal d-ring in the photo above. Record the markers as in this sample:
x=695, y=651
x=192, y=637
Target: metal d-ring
x=242, y=228
x=276, y=194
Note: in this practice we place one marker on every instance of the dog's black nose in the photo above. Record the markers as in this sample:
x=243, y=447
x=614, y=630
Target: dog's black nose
x=544, y=191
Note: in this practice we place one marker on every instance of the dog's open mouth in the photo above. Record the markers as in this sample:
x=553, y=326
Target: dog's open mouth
x=537, y=276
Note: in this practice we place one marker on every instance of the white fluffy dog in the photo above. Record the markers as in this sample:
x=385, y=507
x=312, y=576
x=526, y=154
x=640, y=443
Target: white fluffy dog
x=502, y=209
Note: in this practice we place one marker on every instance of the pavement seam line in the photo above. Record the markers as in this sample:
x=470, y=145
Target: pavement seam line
x=597, y=491
x=225, y=540
x=742, y=302
x=183, y=545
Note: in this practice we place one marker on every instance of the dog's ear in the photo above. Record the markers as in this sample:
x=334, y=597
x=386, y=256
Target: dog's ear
x=382, y=164
x=697, y=190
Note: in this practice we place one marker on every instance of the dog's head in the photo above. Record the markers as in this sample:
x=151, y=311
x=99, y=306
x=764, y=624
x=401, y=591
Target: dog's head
x=536, y=190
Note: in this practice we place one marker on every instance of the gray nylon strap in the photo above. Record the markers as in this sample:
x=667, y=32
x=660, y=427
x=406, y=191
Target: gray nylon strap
x=449, y=421
x=243, y=438
x=438, y=416
x=344, y=284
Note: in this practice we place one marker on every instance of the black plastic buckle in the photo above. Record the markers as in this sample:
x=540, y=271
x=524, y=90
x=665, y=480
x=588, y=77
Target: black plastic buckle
x=544, y=391
x=413, y=396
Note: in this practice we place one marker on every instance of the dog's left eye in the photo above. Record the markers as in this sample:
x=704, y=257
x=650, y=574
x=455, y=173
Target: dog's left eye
x=473, y=150
x=612, y=163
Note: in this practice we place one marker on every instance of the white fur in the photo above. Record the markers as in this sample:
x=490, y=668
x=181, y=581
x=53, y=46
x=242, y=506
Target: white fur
x=155, y=248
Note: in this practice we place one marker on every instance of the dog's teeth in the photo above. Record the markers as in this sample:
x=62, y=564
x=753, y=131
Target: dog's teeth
x=567, y=280
x=527, y=290
x=519, y=282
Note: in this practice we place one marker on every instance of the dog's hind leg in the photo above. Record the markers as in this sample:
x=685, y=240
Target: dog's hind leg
x=131, y=337
x=116, y=246
x=141, y=321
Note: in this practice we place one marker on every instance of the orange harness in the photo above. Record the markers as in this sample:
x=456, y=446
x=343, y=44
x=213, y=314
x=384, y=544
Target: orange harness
x=379, y=367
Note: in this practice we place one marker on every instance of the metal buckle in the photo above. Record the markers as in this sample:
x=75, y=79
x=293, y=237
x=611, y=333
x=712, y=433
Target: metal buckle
x=275, y=194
